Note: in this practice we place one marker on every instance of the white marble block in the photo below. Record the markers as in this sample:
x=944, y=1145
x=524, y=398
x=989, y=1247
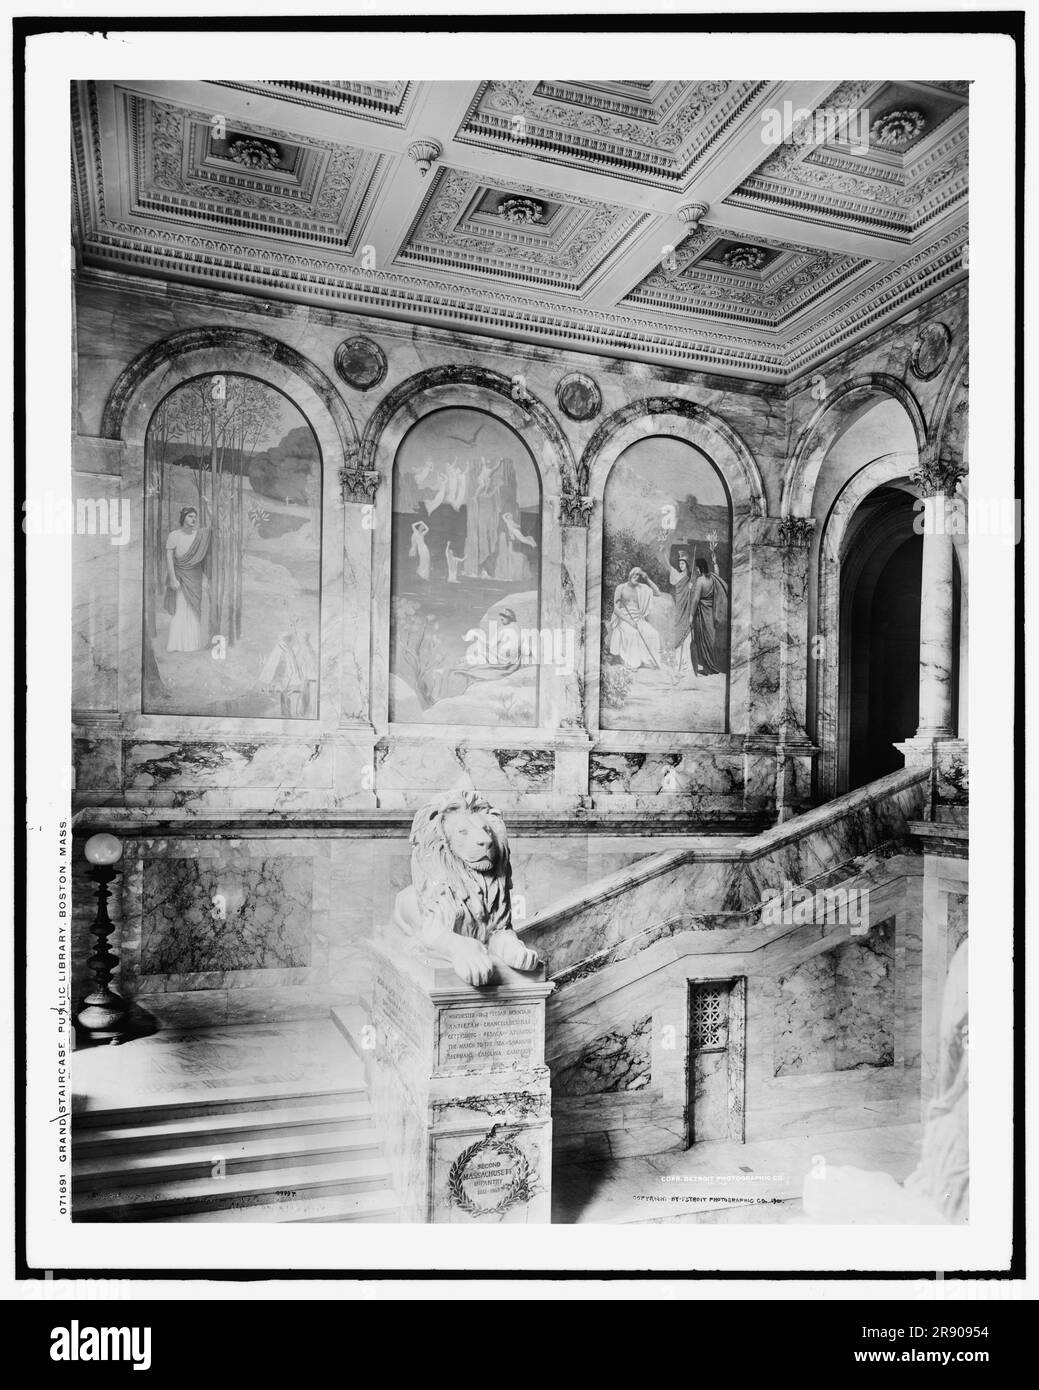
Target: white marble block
x=458, y=1081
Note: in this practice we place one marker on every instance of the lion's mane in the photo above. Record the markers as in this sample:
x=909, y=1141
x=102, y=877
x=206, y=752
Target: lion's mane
x=479, y=902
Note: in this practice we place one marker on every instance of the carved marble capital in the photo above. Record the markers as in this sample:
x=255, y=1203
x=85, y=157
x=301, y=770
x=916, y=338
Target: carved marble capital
x=938, y=477
x=795, y=532
x=359, y=484
x=575, y=508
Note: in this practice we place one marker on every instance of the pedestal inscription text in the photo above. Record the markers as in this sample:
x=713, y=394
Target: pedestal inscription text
x=488, y=1037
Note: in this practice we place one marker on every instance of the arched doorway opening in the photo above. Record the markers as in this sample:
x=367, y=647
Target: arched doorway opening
x=879, y=664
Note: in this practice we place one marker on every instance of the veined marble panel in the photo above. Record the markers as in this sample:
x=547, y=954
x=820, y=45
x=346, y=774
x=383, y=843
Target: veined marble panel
x=97, y=760
x=696, y=774
x=226, y=913
x=835, y=1011
x=101, y=527
x=236, y=763
x=615, y=1061
x=957, y=922
x=865, y=993
x=426, y=765
x=805, y=1032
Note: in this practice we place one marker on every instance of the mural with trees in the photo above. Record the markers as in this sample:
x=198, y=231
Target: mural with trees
x=232, y=553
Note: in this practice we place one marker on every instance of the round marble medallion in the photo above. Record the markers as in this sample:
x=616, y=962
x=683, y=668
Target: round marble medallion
x=930, y=351
x=579, y=397
x=361, y=363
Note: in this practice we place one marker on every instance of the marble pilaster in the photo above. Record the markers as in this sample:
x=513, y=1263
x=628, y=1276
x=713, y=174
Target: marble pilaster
x=795, y=751
x=355, y=666
x=574, y=530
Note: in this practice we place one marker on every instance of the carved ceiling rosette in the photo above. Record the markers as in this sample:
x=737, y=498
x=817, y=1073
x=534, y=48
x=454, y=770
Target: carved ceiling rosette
x=522, y=212
x=895, y=128
x=254, y=154
x=745, y=258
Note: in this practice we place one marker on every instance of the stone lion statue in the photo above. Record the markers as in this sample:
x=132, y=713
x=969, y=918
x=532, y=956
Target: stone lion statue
x=459, y=902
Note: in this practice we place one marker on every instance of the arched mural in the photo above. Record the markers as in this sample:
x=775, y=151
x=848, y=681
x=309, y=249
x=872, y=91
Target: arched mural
x=232, y=562
x=666, y=586
x=465, y=574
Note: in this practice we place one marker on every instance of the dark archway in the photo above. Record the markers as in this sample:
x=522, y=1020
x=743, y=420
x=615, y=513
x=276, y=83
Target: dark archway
x=885, y=655
x=879, y=677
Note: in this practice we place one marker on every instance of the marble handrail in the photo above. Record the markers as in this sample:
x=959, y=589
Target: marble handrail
x=705, y=881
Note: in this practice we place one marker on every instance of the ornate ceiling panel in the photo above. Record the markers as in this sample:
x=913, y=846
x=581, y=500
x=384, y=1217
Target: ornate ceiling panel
x=883, y=158
x=652, y=132
x=189, y=165
x=515, y=233
x=742, y=226
x=729, y=278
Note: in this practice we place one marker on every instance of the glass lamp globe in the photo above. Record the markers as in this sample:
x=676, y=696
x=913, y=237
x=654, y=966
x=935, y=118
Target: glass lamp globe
x=103, y=850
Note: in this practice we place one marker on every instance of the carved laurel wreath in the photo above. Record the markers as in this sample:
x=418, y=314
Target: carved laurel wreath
x=521, y=1190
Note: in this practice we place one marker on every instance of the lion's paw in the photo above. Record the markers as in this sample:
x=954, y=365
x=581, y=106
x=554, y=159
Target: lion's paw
x=471, y=961
x=507, y=946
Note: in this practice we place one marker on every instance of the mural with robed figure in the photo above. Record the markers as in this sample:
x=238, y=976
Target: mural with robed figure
x=232, y=554
x=465, y=587
x=667, y=559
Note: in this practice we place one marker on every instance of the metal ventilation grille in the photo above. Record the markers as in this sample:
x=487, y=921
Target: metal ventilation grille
x=710, y=1017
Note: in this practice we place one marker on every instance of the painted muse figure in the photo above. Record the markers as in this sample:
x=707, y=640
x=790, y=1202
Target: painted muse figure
x=709, y=601
x=632, y=636
x=186, y=551
x=459, y=902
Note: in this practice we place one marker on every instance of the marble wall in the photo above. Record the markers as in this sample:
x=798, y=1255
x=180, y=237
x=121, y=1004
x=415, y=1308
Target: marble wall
x=835, y=1011
x=199, y=797
x=138, y=339
x=869, y=418
x=217, y=922
x=803, y=1068
x=833, y=1004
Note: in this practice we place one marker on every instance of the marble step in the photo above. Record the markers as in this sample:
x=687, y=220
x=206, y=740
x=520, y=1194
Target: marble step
x=164, y=1132
x=382, y=1205
x=223, y=1100
x=158, y=1201
x=350, y=1019
x=240, y=1156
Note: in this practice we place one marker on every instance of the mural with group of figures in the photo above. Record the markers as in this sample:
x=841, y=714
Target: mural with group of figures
x=232, y=555
x=233, y=568
x=667, y=560
x=466, y=566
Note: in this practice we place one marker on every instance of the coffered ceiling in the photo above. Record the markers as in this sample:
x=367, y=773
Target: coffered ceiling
x=751, y=227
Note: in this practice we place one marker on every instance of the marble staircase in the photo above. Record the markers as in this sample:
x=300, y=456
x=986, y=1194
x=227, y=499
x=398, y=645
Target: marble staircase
x=251, y=1153
x=626, y=952
x=284, y=1132
x=721, y=888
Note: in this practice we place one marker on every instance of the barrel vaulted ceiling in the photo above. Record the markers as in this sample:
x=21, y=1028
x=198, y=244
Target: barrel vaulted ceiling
x=563, y=213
